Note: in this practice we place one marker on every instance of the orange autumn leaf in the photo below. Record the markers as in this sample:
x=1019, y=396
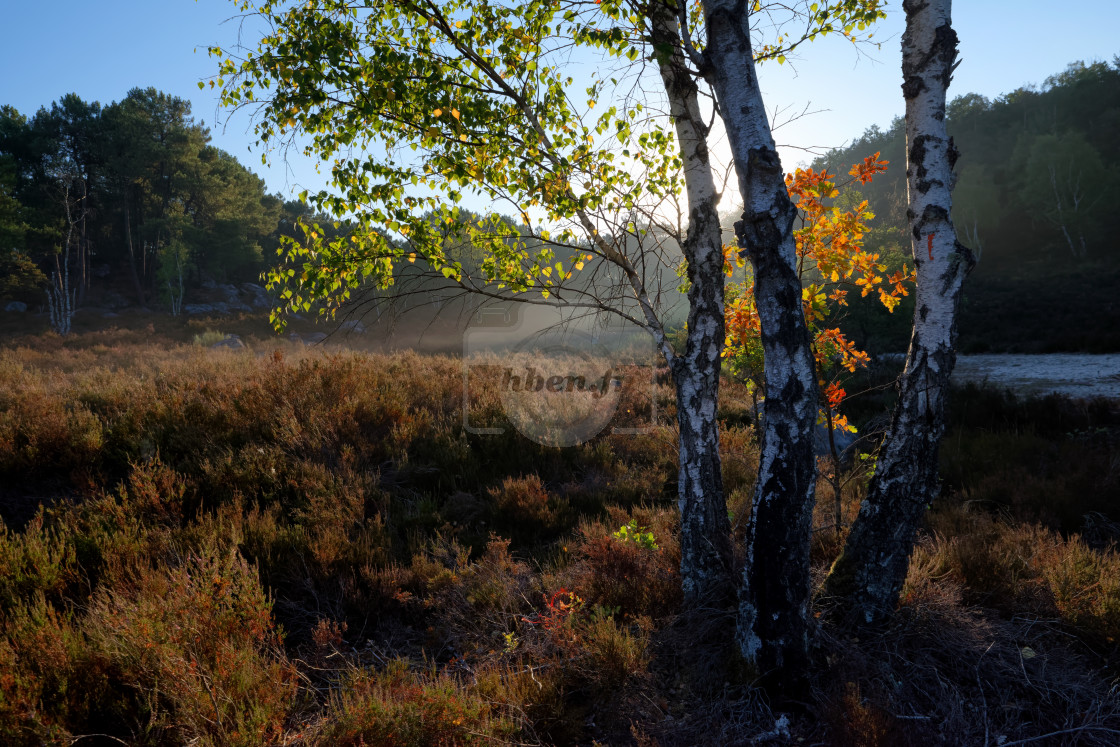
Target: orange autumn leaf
x=829, y=244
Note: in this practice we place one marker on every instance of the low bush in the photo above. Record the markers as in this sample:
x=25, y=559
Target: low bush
x=397, y=707
x=307, y=547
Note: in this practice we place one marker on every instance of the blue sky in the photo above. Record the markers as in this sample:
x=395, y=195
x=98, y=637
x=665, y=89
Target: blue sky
x=101, y=50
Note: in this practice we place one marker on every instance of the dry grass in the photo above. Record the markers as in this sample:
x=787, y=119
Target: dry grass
x=290, y=546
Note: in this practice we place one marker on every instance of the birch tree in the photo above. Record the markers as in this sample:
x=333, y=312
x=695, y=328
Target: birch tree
x=474, y=96
x=867, y=578
x=773, y=616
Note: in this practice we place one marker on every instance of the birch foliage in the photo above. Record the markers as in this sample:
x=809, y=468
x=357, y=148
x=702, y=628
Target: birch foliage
x=541, y=110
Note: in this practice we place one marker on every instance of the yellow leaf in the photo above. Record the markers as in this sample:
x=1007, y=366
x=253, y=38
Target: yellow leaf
x=455, y=113
x=437, y=112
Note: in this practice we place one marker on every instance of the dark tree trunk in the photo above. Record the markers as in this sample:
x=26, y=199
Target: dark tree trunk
x=132, y=269
x=867, y=578
x=83, y=247
x=773, y=622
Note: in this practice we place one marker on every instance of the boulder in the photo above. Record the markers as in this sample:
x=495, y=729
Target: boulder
x=314, y=338
x=353, y=326
x=231, y=298
x=232, y=342
x=205, y=308
x=18, y=306
x=256, y=295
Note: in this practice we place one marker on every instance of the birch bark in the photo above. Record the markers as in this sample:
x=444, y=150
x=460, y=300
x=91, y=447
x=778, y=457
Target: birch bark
x=868, y=577
x=773, y=622
x=706, y=557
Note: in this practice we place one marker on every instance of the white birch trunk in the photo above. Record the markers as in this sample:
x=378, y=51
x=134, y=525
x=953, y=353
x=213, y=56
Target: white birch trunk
x=773, y=620
x=867, y=578
x=706, y=557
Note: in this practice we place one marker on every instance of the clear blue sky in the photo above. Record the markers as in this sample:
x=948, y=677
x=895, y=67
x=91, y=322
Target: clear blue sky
x=101, y=50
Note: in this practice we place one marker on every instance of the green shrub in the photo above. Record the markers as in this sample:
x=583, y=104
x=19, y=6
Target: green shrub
x=208, y=338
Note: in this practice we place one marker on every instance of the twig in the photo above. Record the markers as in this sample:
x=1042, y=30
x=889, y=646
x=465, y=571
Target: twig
x=1059, y=733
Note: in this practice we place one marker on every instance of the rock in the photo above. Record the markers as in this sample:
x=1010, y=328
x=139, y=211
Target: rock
x=258, y=296
x=18, y=306
x=353, y=326
x=205, y=308
x=232, y=342
x=313, y=338
x=232, y=298
x=110, y=315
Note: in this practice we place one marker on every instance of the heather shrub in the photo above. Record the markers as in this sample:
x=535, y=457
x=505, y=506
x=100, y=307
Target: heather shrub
x=860, y=722
x=199, y=637
x=1050, y=460
x=436, y=586
x=631, y=577
x=38, y=560
x=739, y=452
x=522, y=508
x=472, y=605
x=46, y=683
x=1085, y=584
x=616, y=651
x=1020, y=568
x=45, y=437
x=397, y=707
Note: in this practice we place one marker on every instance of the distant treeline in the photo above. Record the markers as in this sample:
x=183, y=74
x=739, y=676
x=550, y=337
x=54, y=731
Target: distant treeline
x=1036, y=202
x=135, y=194
x=144, y=205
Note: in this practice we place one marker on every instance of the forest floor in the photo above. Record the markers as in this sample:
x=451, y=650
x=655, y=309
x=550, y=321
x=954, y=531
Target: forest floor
x=292, y=544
